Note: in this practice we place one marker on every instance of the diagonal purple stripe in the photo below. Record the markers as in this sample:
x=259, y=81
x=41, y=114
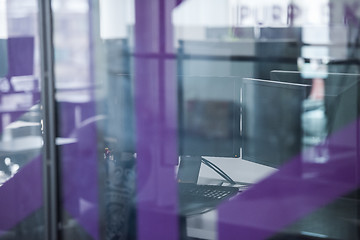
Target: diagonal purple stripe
x=294, y=191
x=21, y=195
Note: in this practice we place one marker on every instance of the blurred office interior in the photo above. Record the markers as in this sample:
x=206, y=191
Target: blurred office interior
x=179, y=119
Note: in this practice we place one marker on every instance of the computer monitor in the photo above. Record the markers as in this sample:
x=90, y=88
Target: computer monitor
x=3, y=58
x=271, y=121
x=209, y=121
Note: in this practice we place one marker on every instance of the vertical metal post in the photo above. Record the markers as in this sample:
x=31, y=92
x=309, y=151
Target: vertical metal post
x=50, y=161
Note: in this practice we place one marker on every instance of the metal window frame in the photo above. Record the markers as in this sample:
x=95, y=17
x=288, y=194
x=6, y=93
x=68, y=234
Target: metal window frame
x=48, y=107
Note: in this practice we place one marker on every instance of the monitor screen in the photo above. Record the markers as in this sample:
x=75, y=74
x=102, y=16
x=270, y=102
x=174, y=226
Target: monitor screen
x=209, y=116
x=271, y=122
x=340, y=98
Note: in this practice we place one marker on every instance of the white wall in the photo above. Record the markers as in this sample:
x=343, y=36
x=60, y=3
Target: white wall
x=3, y=20
x=205, y=13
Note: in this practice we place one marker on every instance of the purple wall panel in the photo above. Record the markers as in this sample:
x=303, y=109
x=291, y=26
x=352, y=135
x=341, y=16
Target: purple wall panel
x=80, y=170
x=156, y=135
x=21, y=56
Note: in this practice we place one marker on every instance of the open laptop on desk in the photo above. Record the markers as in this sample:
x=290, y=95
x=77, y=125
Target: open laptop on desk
x=209, y=125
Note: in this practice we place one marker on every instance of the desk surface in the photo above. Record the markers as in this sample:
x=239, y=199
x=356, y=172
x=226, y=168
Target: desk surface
x=241, y=171
x=336, y=220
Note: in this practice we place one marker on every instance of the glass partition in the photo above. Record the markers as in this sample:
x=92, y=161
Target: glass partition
x=220, y=119
x=181, y=119
x=21, y=141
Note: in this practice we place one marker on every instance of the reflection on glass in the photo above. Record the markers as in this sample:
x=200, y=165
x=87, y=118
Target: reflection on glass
x=20, y=135
x=21, y=140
